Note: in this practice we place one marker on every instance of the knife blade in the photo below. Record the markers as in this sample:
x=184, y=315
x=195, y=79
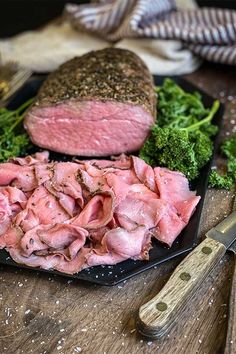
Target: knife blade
x=158, y=315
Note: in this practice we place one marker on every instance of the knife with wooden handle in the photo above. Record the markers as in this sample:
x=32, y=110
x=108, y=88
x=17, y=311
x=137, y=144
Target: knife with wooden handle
x=230, y=345
x=157, y=316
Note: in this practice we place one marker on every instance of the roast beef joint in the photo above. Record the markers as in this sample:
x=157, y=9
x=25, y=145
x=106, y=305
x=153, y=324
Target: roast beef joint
x=102, y=103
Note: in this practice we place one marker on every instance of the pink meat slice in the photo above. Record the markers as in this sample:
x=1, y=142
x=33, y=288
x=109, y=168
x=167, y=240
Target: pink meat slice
x=65, y=180
x=31, y=241
x=169, y=226
x=174, y=188
x=64, y=236
x=145, y=173
x=5, y=218
x=12, y=236
x=38, y=157
x=14, y=195
x=43, y=172
x=119, y=244
x=97, y=213
x=73, y=266
x=122, y=162
x=49, y=262
x=22, y=177
x=62, y=239
x=54, y=261
x=142, y=213
x=68, y=203
x=5, y=209
x=92, y=184
x=119, y=187
x=42, y=208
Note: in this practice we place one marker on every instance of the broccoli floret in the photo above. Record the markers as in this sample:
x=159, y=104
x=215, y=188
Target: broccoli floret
x=226, y=181
x=171, y=148
x=203, y=148
x=228, y=147
x=183, y=149
x=178, y=150
x=220, y=181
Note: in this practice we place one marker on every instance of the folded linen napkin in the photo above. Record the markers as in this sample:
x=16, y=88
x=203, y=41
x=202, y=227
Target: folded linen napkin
x=208, y=32
x=147, y=27
x=43, y=50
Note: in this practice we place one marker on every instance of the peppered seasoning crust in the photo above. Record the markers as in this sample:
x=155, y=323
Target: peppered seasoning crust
x=108, y=74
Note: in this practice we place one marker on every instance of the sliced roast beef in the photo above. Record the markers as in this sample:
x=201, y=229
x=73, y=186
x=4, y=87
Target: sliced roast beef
x=99, y=104
x=72, y=215
x=119, y=244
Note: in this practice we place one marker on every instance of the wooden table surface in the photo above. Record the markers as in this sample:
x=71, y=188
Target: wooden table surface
x=42, y=314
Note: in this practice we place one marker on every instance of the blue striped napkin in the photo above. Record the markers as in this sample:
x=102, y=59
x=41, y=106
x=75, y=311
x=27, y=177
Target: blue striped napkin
x=208, y=32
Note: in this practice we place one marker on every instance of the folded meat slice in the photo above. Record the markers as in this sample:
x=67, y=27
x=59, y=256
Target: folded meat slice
x=5, y=220
x=92, y=184
x=97, y=213
x=65, y=180
x=31, y=241
x=43, y=172
x=68, y=203
x=141, y=212
x=169, y=226
x=174, y=188
x=5, y=209
x=64, y=236
x=12, y=236
x=122, y=162
x=54, y=261
x=145, y=173
x=38, y=157
x=73, y=266
x=62, y=239
x=14, y=195
x=118, y=185
x=48, y=262
x=42, y=208
x=119, y=244
x=22, y=177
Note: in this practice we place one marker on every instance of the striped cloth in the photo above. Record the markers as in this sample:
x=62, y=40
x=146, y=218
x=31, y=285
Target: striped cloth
x=208, y=32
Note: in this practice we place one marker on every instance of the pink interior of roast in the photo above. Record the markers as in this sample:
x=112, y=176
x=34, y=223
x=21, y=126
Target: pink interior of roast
x=89, y=128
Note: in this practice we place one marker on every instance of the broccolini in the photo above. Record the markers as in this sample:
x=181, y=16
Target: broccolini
x=181, y=138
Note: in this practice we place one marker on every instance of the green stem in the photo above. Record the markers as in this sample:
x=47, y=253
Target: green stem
x=18, y=114
x=16, y=123
x=208, y=119
x=24, y=105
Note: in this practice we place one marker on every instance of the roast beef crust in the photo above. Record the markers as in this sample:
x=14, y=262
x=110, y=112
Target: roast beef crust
x=108, y=74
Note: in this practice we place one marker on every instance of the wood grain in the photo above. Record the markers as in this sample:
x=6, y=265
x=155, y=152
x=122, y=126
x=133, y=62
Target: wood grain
x=49, y=315
x=158, y=315
x=230, y=345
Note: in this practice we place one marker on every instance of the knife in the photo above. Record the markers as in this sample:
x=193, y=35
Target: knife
x=158, y=315
x=230, y=345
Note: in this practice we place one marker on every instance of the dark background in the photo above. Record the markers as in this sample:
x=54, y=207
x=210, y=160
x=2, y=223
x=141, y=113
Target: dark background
x=20, y=15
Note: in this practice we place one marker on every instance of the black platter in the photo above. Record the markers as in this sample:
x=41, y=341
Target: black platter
x=111, y=275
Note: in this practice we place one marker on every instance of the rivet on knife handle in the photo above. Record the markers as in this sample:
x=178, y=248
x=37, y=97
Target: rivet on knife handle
x=158, y=315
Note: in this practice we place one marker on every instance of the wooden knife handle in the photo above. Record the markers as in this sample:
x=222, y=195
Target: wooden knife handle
x=230, y=346
x=158, y=315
